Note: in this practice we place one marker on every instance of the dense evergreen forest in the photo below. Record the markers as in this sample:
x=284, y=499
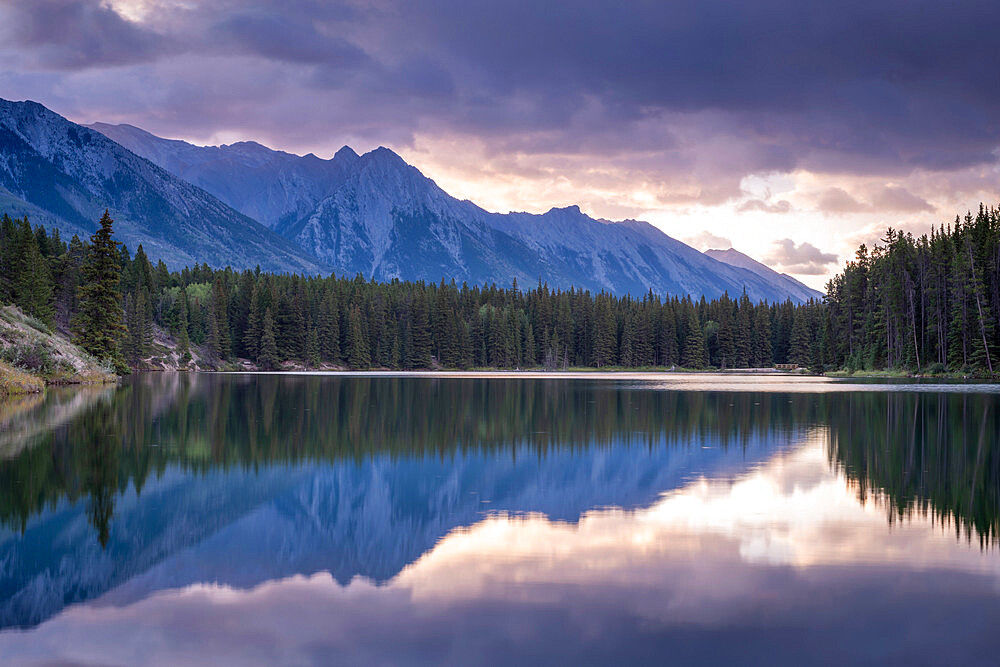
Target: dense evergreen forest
x=930, y=303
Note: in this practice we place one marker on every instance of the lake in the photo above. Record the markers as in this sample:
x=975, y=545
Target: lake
x=485, y=518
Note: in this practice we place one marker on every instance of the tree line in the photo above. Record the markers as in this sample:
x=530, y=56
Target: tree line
x=927, y=303
x=931, y=302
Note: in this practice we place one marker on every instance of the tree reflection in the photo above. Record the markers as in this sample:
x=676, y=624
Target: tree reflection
x=99, y=437
x=924, y=454
x=919, y=452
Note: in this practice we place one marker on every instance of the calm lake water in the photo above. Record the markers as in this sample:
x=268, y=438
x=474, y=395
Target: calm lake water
x=313, y=519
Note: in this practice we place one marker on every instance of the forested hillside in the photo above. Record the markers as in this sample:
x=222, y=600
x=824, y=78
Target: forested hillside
x=916, y=304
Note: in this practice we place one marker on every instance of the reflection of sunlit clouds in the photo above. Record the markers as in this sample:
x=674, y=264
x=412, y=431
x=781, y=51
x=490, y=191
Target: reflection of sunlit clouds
x=717, y=555
x=792, y=511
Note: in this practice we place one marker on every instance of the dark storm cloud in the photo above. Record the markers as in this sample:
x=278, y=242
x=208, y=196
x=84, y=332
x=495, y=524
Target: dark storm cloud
x=855, y=86
x=890, y=83
x=72, y=35
x=285, y=38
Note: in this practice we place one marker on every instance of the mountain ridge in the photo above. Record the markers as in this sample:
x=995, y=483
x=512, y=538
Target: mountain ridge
x=66, y=175
x=734, y=257
x=372, y=214
x=270, y=186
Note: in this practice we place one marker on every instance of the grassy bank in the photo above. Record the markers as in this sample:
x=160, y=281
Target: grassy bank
x=32, y=355
x=898, y=373
x=14, y=381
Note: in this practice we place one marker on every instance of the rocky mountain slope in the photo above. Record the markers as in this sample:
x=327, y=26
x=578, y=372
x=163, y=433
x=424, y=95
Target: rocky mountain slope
x=272, y=187
x=65, y=175
x=734, y=257
x=374, y=214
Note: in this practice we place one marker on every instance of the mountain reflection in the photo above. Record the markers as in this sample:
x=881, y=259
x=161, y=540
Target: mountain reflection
x=217, y=422
x=246, y=479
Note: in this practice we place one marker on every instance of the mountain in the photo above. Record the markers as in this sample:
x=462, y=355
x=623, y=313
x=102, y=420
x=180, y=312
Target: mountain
x=65, y=175
x=377, y=215
x=272, y=187
x=797, y=290
x=388, y=220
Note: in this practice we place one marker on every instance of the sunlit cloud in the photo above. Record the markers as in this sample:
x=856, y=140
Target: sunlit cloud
x=803, y=258
x=708, y=241
x=779, y=206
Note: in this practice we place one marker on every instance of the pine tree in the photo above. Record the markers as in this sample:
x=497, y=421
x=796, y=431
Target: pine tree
x=258, y=304
x=183, y=340
x=604, y=339
x=726, y=334
x=694, y=354
x=667, y=348
x=419, y=353
x=31, y=279
x=267, y=357
x=139, y=336
x=98, y=324
x=626, y=346
x=329, y=328
x=530, y=358
x=6, y=259
x=445, y=343
x=801, y=338
x=219, y=339
x=312, y=348
x=358, y=350
x=644, y=335
x=760, y=338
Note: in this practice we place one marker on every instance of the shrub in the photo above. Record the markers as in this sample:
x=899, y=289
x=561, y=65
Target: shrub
x=32, y=356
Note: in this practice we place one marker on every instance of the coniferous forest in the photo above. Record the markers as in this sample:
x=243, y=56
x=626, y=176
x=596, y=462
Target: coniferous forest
x=928, y=304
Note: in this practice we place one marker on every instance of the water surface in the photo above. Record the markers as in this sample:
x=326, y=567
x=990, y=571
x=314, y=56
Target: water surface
x=297, y=519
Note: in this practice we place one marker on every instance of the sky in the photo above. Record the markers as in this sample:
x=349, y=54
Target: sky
x=792, y=130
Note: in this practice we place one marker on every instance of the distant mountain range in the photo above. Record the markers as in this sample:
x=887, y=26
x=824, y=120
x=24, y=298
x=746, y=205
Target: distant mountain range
x=245, y=204
x=65, y=175
x=796, y=290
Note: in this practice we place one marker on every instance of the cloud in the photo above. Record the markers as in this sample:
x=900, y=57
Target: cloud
x=780, y=206
x=708, y=241
x=803, y=259
x=286, y=38
x=859, y=86
x=874, y=232
x=836, y=200
x=74, y=35
x=884, y=199
x=653, y=106
x=897, y=199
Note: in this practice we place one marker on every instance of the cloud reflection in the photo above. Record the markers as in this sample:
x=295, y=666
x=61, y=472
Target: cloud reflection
x=719, y=569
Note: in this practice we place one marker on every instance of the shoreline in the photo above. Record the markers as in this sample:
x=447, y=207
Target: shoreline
x=736, y=378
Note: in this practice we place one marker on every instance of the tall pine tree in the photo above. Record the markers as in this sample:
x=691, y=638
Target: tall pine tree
x=98, y=324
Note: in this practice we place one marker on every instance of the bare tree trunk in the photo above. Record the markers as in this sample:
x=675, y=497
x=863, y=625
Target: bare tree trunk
x=982, y=323
x=913, y=323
